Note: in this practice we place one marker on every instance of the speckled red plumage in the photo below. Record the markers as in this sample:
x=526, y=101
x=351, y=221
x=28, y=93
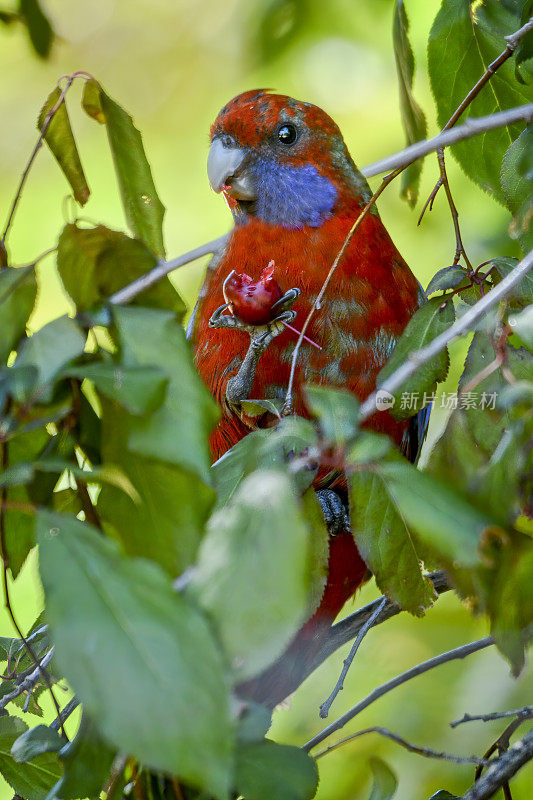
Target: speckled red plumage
x=367, y=305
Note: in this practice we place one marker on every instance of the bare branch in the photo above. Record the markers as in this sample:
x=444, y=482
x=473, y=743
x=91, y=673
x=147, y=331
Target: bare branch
x=163, y=268
x=459, y=327
x=29, y=682
x=472, y=127
x=427, y=752
x=326, y=705
x=71, y=706
x=502, y=769
x=375, y=694
x=344, y=631
x=526, y=711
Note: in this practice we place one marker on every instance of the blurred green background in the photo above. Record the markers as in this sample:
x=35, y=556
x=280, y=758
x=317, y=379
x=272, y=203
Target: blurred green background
x=172, y=64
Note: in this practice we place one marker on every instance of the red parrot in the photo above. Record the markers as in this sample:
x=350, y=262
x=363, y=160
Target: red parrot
x=294, y=192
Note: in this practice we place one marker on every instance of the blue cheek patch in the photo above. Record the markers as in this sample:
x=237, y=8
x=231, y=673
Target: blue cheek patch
x=293, y=197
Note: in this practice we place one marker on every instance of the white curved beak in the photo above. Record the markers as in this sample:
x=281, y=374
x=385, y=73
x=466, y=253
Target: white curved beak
x=226, y=169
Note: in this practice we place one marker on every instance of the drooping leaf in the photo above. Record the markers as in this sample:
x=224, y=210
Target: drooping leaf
x=386, y=544
x=167, y=522
x=60, y=139
x=177, y=431
x=86, y=762
x=434, y=317
x=521, y=294
x=446, y=278
x=385, y=782
x=441, y=517
x=18, y=290
x=129, y=629
x=94, y=263
x=466, y=37
x=38, y=25
x=518, y=189
x=90, y=101
x=18, y=524
x=33, y=780
x=140, y=390
x=142, y=206
x=259, y=543
x=337, y=412
x=49, y=350
x=36, y=741
x=413, y=118
x=267, y=770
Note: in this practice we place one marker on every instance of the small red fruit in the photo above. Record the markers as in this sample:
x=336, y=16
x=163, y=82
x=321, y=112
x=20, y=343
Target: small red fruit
x=252, y=301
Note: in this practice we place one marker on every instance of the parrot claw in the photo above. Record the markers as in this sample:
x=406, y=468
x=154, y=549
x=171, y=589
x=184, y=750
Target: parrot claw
x=336, y=515
x=287, y=300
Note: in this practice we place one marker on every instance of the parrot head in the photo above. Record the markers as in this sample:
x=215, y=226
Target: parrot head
x=282, y=161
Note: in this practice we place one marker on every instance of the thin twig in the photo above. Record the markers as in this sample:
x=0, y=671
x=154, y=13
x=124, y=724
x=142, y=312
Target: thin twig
x=163, y=268
x=502, y=769
x=46, y=124
x=472, y=127
x=459, y=327
x=29, y=682
x=71, y=706
x=375, y=694
x=526, y=711
x=287, y=408
x=117, y=770
x=339, y=686
x=427, y=752
x=459, y=246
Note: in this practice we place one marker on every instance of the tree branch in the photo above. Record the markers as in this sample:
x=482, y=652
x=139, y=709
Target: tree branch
x=526, y=711
x=472, y=127
x=163, y=268
x=375, y=694
x=29, y=682
x=326, y=705
x=459, y=327
x=427, y=752
x=502, y=769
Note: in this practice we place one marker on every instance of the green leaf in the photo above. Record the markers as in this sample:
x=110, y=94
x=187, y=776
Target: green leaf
x=369, y=447
x=178, y=430
x=521, y=294
x=90, y=101
x=60, y=139
x=237, y=462
x=446, y=278
x=385, y=781
x=268, y=770
x=18, y=290
x=413, y=118
x=19, y=525
x=386, y=544
x=259, y=543
x=86, y=761
x=524, y=51
x=33, y=780
x=337, y=411
x=522, y=325
x=434, y=317
x=142, y=206
x=94, y=263
x=140, y=390
x=254, y=722
x=465, y=38
x=39, y=28
x=35, y=742
x=167, y=522
x=49, y=350
x=126, y=644
x=518, y=189
x=441, y=517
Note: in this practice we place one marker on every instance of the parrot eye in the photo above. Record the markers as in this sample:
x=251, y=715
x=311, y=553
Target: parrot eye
x=287, y=134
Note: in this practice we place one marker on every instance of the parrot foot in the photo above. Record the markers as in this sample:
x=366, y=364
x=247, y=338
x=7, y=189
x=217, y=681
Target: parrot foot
x=239, y=387
x=335, y=513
